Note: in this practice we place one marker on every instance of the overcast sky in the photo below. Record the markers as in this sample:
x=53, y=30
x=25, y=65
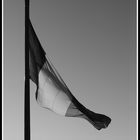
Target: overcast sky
x=92, y=44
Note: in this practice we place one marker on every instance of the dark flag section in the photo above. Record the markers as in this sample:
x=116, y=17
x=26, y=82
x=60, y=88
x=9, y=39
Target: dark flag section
x=52, y=92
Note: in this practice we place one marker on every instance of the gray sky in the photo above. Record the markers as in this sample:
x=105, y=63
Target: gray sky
x=92, y=44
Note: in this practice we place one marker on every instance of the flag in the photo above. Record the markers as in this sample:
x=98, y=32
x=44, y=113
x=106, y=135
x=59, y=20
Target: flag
x=52, y=93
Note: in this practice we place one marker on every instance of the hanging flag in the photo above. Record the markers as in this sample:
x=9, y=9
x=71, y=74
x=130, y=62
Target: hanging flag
x=52, y=92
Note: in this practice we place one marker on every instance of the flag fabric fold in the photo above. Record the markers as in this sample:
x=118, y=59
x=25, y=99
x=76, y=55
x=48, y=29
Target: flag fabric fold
x=52, y=92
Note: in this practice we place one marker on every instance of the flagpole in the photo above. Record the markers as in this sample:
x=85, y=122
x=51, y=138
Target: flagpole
x=27, y=76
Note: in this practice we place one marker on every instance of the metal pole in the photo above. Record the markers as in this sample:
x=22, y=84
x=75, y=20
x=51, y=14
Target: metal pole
x=27, y=76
